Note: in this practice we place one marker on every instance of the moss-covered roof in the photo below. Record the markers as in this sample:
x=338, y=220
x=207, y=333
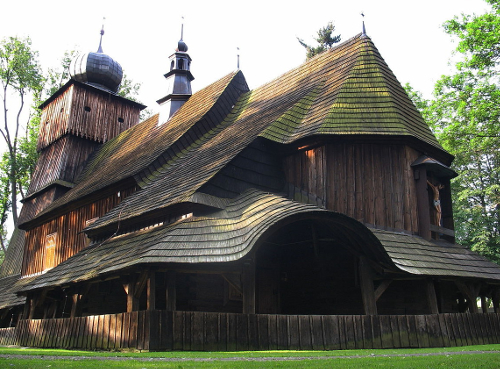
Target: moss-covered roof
x=348, y=90
x=225, y=236
x=230, y=234
x=418, y=256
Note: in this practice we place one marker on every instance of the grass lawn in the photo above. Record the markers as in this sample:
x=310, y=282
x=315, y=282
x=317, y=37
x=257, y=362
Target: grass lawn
x=487, y=356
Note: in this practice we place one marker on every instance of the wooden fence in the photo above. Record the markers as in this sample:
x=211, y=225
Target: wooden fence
x=162, y=330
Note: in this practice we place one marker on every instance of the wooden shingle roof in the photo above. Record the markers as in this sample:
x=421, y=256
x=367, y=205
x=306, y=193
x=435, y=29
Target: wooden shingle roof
x=225, y=236
x=348, y=90
x=417, y=256
x=231, y=233
x=131, y=152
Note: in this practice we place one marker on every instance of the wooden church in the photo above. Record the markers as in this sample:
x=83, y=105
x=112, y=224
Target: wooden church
x=312, y=212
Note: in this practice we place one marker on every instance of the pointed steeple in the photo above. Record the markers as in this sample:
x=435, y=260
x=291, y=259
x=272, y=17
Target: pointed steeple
x=178, y=81
x=364, y=29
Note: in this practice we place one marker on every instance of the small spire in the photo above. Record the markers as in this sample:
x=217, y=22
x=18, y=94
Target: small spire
x=182, y=29
x=99, y=50
x=364, y=29
x=238, y=58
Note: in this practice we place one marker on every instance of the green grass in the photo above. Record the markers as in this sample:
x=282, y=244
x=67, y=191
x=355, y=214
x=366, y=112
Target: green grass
x=339, y=359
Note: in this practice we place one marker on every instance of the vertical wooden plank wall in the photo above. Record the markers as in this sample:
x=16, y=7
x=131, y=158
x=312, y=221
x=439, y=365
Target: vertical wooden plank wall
x=371, y=183
x=70, y=239
x=85, y=112
x=181, y=330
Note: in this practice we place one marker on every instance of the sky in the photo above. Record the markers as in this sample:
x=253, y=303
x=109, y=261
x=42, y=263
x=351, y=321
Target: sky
x=141, y=35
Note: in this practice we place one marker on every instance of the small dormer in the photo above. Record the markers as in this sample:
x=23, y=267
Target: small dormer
x=178, y=82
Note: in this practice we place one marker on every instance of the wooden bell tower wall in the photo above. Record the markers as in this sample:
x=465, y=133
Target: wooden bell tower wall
x=87, y=112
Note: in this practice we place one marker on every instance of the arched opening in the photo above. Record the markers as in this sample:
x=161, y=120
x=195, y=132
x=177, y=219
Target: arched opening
x=311, y=266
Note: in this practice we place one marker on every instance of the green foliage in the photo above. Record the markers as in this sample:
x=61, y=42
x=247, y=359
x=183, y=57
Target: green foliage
x=20, y=75
x=465, y=116
x=57, y=77
x=324, y=39
x=479, y=37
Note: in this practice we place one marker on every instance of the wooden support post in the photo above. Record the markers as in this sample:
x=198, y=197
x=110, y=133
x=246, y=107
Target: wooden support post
x=484, y=304
x=367, y=288
x=151, y=291
x=470, y=292
x=32, y=308
x=75, y=297
x=171, y=290
x=381, y=288
x=496, y=300
x=431, y=297
x=314, y=236
x=141, y=283
x=424, y=217
x=132, y=301
x=249, y=286
x=26, y=310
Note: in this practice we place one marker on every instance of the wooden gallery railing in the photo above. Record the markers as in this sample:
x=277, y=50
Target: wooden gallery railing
x=162, y=330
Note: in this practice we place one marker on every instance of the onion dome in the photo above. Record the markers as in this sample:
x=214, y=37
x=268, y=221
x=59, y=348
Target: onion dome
x=181, y=46
x=97, y=69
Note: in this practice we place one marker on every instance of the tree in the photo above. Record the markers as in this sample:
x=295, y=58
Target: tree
x=20, y=75
x=324, y=39
x=465, y=116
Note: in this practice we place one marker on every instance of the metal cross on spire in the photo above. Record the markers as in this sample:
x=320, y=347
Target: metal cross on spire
x=237, y=58
x=364, y=29
x=99, y=50
x=182, y=28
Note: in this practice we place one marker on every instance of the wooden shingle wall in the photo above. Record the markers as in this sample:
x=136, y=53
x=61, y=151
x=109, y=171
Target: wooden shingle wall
x=371, y=183
x=88, y=113
x=69, y=227
x=63, y=160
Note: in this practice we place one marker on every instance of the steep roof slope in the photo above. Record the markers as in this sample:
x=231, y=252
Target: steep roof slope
x=348, y=90
x=132, y=151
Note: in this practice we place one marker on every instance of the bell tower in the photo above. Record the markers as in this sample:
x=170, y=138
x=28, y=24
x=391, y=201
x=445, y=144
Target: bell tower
x=178, y=81
x=75, y=121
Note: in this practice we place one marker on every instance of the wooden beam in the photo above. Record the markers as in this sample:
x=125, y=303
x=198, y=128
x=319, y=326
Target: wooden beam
x=33, y=302
x=424, y=217
x=484, y=304
x=171, y=290
x=132, y=301
x=314, y=240
x=367, y=288
x=496, y=300
x=470, y=293
x=431, y=297
x=151, y=291
x=249, y=286
x=234, y=280
x=75, y=297
x=382, y=288
x=141, y=283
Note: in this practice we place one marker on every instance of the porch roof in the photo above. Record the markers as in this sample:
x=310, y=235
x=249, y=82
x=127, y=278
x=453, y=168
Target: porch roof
x=416, y=255
x=228, y=235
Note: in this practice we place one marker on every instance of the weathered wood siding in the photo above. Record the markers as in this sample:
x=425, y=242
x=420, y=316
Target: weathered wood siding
x=70, y=239
x=199, y=331
x=63, y=160
x=372, y=183
x=86, y=112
